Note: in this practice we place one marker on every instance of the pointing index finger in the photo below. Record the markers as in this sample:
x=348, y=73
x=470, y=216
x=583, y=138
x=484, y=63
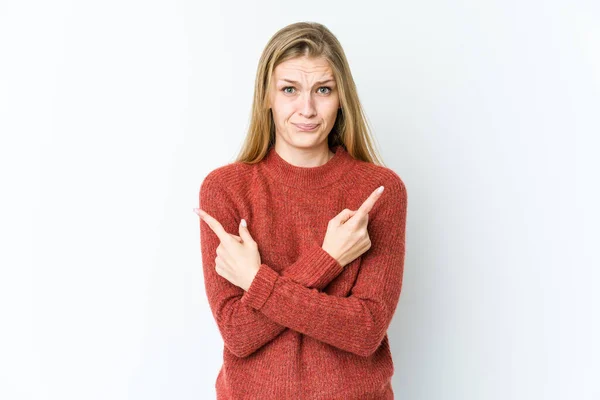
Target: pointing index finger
x=215, y=226
x=368, y=204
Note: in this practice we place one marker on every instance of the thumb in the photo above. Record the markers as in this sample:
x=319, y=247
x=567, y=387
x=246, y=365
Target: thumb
x=244, y=232
x=345, y=215
x=236, y=237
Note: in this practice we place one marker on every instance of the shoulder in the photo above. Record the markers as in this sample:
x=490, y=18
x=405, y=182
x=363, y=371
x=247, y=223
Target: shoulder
x=228, y=179
x=379, y=175
x=220, y=176
x=390, y=210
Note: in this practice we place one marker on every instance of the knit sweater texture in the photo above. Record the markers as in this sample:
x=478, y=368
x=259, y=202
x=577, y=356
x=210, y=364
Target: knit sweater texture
x=306, y=328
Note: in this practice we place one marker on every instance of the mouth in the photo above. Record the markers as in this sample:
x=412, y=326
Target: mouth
x=306, y=127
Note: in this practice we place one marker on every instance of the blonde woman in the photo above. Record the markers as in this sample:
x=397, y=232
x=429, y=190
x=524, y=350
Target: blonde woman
x=303, y=236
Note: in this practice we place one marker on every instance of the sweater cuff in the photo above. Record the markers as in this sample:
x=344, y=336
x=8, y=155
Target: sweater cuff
x=261, y=287
x=314, y=268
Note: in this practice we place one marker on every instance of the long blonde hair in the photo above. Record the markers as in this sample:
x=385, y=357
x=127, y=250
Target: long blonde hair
x=311, y=39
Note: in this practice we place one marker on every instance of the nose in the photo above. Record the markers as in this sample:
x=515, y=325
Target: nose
x=307, y=108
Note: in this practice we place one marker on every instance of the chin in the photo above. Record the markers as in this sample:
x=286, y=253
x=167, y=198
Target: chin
x=308, y=141
x=299, y=140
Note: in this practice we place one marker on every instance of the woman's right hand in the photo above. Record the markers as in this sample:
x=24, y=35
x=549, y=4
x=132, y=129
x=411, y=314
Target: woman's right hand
x=347, y=236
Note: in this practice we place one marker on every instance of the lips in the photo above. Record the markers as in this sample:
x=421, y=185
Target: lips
x=307, y=126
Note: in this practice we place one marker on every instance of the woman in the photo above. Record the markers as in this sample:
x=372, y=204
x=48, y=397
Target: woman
x=302, y=250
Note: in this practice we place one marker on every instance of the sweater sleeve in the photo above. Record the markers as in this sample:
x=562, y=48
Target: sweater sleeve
x=244, y=329
x=359, y=322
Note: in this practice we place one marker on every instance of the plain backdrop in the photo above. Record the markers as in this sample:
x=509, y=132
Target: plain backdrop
x=113, y=112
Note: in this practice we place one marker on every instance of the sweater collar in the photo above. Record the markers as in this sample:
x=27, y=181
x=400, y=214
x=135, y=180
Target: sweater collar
x=308, y=177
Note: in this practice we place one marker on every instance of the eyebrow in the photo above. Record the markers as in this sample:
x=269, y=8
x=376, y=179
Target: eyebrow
x=319, y=82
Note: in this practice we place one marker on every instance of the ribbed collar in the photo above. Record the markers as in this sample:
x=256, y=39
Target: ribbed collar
x=307, y=177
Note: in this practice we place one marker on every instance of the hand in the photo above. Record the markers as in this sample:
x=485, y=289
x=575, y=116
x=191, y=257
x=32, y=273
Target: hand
x=347, y=236
x=238, y=259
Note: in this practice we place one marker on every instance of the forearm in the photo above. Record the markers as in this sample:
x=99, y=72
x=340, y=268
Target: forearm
x=356, y=323
x=243, y=329
x=315, y=269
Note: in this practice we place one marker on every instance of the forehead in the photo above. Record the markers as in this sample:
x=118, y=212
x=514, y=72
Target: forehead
x=297, y=67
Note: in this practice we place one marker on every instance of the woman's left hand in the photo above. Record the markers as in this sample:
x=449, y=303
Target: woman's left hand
x=238, y=259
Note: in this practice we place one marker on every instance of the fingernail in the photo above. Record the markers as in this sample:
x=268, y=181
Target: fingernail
x=244, y=222
x=195, y=210
x=380, y=189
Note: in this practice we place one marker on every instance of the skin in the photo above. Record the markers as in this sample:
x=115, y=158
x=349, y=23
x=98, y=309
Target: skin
x=238, y=259
x=308, y=100
x=311, y=99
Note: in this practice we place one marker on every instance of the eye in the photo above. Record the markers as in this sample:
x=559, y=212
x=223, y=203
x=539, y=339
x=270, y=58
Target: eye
x=284, y=89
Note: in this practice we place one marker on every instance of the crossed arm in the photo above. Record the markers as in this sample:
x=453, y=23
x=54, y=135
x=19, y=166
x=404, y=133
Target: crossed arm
x=247, y=320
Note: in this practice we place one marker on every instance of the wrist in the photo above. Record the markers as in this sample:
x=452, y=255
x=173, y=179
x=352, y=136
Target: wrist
x=331, y=253
x=251, y=278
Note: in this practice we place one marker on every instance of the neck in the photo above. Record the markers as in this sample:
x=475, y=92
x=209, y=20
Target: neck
x=322, y=172
x=304, y=158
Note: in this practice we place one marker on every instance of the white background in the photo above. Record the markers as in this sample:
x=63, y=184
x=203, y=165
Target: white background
x=112, y=112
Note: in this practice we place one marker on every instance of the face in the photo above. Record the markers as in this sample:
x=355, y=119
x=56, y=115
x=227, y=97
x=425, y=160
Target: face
x=304, y=92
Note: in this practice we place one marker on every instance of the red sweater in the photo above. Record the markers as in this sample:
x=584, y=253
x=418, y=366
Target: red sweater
x=307, y=328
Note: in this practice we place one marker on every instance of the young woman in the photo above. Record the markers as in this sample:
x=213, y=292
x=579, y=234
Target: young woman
x=302, y=248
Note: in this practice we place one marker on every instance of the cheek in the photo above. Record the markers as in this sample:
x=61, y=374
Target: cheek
x=286, y=113
x=329, y=110
x=282, y=108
